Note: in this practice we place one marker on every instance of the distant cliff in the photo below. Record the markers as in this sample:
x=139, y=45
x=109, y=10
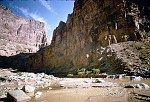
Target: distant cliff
x=20, y=35
x=112, y=35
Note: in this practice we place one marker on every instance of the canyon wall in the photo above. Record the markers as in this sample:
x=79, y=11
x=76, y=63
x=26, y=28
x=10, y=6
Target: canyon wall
x=111, y=35
x=20, y=35
x=91, y=34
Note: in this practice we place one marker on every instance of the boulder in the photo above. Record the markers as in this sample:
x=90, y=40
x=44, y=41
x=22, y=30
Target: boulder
x=120, y=76
x=98, y=81
x=136, y=78
x=143, y=85
x=111, y=76
x=140, y=86
x=50, y=88
x=17, y=96
x=29, y=90
x=129, y=86
x=38, y=94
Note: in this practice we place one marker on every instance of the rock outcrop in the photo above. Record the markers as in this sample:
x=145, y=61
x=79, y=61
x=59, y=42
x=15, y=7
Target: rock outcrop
x=98, y=34
x=20, y=35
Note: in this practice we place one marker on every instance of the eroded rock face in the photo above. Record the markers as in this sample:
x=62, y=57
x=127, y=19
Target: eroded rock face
x=20, y=35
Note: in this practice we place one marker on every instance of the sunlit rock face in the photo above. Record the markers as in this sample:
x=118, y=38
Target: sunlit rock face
x=20, y=35
x=98, y=34
x=91, y=34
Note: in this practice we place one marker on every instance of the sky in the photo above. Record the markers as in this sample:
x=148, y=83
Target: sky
x=51, y=12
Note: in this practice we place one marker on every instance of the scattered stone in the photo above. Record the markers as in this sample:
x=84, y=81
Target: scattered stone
x=50, y=88
x=129, y=86
x=136, y=78
x=140, y=86
x=29, y=89
x=25, y=81
x=104, y=84
x=111, y=76
x=145, y=86
x=98, y=81
x=142, y=95
x=17, y=96
x=38, y=94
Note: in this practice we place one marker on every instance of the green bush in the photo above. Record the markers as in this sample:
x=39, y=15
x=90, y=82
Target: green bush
x=70, y=75
x=96, y=71
x=81, y=73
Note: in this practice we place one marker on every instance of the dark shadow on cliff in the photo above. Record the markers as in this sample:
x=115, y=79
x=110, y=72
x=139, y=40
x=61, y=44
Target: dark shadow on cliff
x=19, y=61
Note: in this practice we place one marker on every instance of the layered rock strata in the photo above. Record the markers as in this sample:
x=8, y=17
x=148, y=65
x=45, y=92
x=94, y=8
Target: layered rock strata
x=20, y=35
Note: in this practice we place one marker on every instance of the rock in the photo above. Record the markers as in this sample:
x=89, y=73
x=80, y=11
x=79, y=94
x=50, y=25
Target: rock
x=17, y=96
x=136, y=78
x=142, y=95
x=140, y=86
x=50, y=88
x=129, y=86
x=38, y=94
x=20, y=35
x=2, y=93
x=2, y=79
x=98, y=81
x=25, y=81
x=29, y=90
x=145, y=86
x=111, y=76
x=104, y=84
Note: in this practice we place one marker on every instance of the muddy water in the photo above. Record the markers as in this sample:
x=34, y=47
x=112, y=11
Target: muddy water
x=79, y=95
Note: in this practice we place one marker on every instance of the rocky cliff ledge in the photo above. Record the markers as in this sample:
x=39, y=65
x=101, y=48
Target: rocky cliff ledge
x=111, y=35
x=20, y=35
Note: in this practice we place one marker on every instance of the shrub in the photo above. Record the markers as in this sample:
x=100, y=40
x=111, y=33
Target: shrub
x=96, y=71
x=70, y=75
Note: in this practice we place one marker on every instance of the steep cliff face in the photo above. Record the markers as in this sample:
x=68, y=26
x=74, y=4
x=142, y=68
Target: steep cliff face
x=92, y=33
x=20, y=35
